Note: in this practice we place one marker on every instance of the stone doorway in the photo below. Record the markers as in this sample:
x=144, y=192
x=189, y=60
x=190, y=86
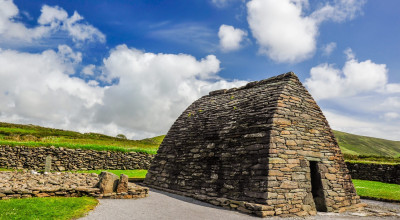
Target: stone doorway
x=316, y=187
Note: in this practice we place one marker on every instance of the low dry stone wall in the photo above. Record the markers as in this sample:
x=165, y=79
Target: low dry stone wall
x=33, y=158
x=26, y=185
x=375, y=172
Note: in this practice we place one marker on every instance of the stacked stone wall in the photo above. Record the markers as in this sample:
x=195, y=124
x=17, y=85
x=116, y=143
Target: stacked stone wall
x=33, y=158
x=375, y=172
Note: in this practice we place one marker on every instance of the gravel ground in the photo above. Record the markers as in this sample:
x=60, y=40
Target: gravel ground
x=167, y=206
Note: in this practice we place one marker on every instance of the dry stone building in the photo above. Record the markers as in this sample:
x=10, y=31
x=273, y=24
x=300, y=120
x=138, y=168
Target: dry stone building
x=264, y=148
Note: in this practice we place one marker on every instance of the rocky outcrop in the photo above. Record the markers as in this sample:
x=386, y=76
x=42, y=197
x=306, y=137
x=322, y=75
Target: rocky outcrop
x=31, y=184
x=20, y=157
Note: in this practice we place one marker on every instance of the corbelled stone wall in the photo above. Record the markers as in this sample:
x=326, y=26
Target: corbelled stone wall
x=254, y=145
x=375, y=172
x=20, y=157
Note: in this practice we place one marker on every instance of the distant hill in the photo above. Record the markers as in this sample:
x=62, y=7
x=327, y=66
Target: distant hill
x=362, y=145
x=35, y=136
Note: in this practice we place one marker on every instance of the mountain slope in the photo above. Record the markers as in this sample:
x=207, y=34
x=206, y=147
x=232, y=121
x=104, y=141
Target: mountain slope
x=362, y=145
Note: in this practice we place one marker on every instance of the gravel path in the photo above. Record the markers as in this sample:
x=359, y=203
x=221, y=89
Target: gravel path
x=166, y=206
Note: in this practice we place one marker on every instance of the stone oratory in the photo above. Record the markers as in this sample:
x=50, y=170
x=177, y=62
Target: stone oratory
x=264, y=149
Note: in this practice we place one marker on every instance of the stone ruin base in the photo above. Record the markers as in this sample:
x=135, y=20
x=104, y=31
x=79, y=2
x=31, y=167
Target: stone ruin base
x=106, y=185
x=256, y=209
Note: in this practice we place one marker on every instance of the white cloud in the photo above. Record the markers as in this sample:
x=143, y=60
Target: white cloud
x=391, y=115
x=52, y=20
x=82, y=32
x=52, y=16
x=340, y=11
x=355, y=77
x=364, y=102
x=285, y=33
x=37, y=88
x=189, y=33
x=154, y=89
x=392, y=88
x=230, y=37
x=89, y=70
x=11, y=29
x=328, y=48
x=356, y=125
x=222, y=3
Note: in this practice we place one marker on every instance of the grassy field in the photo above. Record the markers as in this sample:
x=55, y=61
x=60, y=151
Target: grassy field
x=360, y=145
x=46, y=208
x=34, y=136
x=355, y=147
x=130, y=173
x=377, y=189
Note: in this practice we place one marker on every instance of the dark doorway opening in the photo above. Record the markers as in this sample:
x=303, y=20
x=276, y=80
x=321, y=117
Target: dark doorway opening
x=316, y=187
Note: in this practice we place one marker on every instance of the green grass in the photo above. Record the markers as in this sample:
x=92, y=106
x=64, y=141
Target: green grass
x=46, y=208
x=373, y=161
x=130, y=173
x=361, y=145
x=35, y=136
x=98, y=147
x=377, y=189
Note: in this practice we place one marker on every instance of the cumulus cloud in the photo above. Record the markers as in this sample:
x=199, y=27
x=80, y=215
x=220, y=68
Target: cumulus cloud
x=355, y=77
x=230, y=37
x=283, y=31
x=359, y=97
x=52, y=20
x=37, y=87
x=154, y=89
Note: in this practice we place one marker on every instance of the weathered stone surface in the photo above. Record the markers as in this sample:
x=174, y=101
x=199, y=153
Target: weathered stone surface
x=122, y=184
x=34, y=158
x=108, y=182
x=375, y=172
x=255, y=144
x=32, y=184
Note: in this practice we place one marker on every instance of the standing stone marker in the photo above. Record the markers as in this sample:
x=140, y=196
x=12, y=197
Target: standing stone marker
x=47, y=167
x=264, y=148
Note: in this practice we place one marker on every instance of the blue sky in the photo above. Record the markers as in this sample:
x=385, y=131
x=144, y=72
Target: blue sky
x=132, y=67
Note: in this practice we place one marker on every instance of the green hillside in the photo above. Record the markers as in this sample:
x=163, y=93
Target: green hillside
x=33, y=136
x=362, y=145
